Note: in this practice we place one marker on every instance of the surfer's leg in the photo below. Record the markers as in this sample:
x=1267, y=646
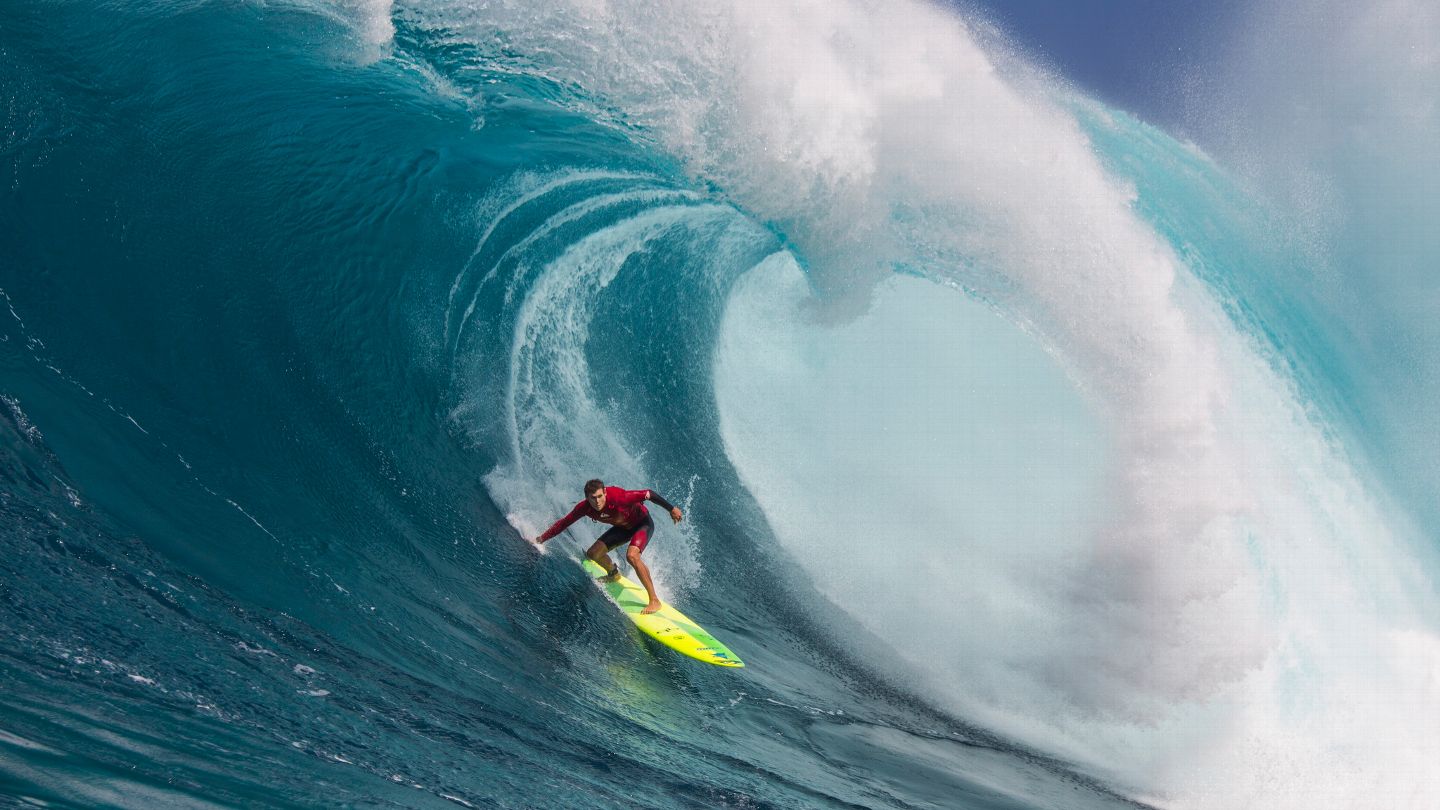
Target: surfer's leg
x=598, y=553
x=633, y=556
x=638, y=541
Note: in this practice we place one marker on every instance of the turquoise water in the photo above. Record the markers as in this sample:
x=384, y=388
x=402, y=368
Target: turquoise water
x=1019, y=467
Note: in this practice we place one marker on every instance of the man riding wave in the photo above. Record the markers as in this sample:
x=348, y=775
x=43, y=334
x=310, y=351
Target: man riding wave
x=624, y=510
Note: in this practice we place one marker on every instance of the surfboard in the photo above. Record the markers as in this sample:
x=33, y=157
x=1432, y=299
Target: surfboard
x=666, y=625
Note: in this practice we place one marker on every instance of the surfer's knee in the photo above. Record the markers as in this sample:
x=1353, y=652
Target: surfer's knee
x=633, y=555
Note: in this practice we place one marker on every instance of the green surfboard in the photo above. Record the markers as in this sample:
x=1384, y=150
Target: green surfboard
x=666, y=625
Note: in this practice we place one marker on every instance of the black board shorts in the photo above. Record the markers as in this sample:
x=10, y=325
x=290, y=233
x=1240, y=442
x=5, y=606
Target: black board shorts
x=638, y=536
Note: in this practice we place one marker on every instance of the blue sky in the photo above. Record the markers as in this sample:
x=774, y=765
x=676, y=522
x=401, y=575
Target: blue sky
x=1139, y=55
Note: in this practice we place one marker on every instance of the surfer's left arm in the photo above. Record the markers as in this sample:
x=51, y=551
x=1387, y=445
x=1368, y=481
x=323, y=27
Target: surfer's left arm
x=654, y=497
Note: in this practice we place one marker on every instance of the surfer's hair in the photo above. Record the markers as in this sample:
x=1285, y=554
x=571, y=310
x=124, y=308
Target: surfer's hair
x=593, y=486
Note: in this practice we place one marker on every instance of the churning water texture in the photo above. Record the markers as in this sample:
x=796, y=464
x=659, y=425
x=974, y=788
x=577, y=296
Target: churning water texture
x=1020, y=463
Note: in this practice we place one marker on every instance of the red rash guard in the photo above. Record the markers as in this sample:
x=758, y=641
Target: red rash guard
x=623, y=508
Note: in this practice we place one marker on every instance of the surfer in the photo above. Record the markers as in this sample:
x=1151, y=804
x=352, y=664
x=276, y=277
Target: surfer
x=624, y=510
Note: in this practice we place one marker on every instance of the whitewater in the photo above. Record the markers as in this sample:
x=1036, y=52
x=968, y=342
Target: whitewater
x=1033, y=456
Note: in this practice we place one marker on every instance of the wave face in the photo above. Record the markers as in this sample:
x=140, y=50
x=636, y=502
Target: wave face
x=1020, y=464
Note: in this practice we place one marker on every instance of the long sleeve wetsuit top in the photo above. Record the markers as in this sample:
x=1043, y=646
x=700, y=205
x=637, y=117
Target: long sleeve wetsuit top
x=623, y=507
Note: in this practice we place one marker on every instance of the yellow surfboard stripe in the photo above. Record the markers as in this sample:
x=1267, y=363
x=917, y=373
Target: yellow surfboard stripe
x=666, y=625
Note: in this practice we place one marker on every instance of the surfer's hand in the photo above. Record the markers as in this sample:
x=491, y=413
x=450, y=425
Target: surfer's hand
x=537, y=541
x=676, y=515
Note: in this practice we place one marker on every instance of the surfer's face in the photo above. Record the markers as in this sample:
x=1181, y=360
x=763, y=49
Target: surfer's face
x=597, y=499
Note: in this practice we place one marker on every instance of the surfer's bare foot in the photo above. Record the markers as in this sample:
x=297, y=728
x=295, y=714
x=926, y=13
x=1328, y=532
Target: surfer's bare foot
x=612, y=576
x=652, y=607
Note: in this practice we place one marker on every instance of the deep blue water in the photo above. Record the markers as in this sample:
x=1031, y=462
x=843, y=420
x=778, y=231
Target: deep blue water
x=1010, y=497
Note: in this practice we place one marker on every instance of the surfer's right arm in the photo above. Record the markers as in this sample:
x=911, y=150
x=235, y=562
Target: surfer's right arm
x=562, y=524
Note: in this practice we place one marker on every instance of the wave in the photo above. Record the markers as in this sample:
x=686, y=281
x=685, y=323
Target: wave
x=1017, y=467
x=883, y=141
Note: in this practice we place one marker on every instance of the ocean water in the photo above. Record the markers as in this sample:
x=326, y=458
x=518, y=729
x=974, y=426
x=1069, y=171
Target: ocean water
x=1024, y=461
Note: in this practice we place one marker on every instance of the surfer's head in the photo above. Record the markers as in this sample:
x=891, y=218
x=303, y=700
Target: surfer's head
x=595, y=493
